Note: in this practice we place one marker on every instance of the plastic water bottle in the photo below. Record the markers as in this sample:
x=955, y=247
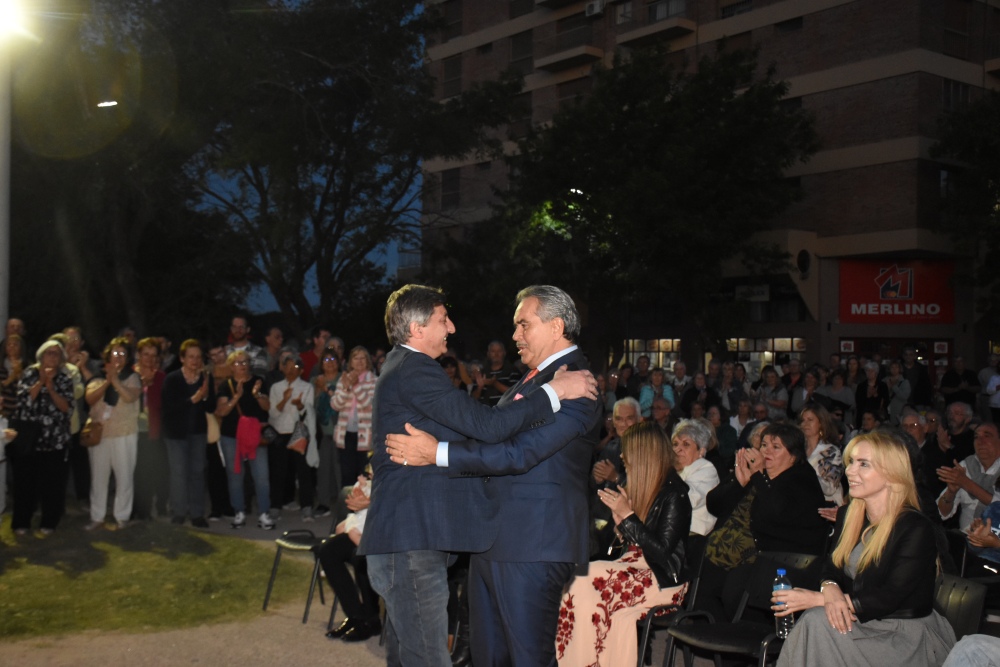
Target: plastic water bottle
x=782, y=624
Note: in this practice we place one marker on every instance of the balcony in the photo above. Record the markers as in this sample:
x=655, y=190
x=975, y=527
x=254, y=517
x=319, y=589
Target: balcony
x=992, y=62
x=571, y=48
x=657, y=22
x=553, y=4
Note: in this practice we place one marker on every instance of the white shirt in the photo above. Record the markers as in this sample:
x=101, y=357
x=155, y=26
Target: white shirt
x=701, y=477
x=967, y=501
x=441, y=458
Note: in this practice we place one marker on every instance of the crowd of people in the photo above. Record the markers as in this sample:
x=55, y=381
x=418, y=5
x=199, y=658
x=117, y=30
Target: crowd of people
x=861, y=459
x=199, y=436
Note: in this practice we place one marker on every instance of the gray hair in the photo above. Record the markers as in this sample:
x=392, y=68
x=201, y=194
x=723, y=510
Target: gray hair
x=964, y=407
x=628, y=400
x=871, y=366
x=410, y=303
x=757, y=428
x=552, y=303
x=694, y=429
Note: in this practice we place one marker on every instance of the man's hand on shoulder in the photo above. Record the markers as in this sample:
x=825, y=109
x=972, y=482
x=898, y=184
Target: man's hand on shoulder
x=569, y=385
x=416, y=448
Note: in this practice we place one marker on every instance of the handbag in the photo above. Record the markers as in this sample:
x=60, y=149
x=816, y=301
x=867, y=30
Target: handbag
x=300, y=438
x=91, y=433
x=268, y=434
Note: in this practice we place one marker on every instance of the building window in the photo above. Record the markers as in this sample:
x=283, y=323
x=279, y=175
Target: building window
x=732, y=9
x=522, y=48
x=452, y=20
x=451, y=85
x=484, y=49
x=573, y=31
x=662, y=352
x=451, y=188
x=521, y=7
x=521, y=115
x=623, y=13
x=954, y=95
x=571, y=91
x=665, y=9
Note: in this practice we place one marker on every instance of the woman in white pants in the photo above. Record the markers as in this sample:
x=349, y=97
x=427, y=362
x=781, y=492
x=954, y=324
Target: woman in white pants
x=114, y=402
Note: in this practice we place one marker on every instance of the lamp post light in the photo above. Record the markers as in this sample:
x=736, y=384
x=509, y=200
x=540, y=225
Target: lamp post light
x=11, y=22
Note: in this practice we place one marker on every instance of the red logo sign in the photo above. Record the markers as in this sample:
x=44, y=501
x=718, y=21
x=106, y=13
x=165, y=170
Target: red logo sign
x=896, y=292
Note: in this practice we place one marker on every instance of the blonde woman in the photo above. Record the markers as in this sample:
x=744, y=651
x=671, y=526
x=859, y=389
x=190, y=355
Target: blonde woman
x=652, y=520
x=875, y=605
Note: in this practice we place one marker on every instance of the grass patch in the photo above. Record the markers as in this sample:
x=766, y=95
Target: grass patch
x=151, y=576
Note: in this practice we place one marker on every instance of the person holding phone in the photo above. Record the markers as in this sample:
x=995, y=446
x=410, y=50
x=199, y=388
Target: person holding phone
x=188, y=395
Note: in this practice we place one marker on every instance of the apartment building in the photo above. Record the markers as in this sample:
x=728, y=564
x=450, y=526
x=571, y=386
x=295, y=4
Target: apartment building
x=869, y=273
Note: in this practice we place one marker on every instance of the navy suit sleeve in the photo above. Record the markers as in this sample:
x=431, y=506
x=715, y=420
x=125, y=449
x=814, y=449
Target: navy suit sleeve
x=526, y=449
x=433, y=396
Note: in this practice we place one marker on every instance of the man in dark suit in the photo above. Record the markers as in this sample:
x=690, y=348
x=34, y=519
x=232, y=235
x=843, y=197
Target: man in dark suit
x=419, y=515
x=515, y=586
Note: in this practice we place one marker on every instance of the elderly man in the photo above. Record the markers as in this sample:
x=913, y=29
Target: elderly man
x=609, y=469
x=970, y=483
x=420, y=514
x=959, y=418
x=515, y=587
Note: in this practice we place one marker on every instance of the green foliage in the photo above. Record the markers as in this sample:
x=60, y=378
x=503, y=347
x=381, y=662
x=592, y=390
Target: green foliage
x=152, y=576
x=971, y=217
x=640, y=191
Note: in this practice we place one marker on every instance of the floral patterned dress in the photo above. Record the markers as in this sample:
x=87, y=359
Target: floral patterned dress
x=610, y=599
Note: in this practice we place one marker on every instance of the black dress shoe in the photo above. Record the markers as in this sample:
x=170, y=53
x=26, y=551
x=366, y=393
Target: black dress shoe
x=363, y=631
x=342, y=629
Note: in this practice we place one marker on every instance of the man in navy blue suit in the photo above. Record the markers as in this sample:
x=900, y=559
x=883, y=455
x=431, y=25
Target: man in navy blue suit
x=420, y=514
x=516, y=584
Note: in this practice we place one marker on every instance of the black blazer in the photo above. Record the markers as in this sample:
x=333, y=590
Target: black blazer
x=783, y=516
x=661, y=537
x=901, y=584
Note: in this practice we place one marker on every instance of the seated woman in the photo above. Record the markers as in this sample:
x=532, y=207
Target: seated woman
x=652, y=517
x=360, y=602
x=879, y=581
x=690, y=441
x=770, y=503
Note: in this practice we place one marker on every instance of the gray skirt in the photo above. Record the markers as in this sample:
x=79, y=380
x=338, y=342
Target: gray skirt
x=914, y=642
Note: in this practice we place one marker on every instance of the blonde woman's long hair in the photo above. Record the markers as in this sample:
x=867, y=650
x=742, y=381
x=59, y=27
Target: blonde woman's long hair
x=650, y=459
x=891, y=458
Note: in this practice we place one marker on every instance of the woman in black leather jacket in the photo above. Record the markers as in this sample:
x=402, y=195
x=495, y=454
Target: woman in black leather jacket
x=652, y=519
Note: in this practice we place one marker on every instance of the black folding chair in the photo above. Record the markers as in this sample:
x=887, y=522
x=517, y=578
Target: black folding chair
x=741, y=637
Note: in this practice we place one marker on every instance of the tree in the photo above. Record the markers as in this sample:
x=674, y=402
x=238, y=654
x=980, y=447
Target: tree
x=636, y=195
x=101, y=233
x=971, y=136
x=320, y=165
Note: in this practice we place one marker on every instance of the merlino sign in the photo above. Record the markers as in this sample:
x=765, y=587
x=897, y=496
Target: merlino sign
x=896, y=292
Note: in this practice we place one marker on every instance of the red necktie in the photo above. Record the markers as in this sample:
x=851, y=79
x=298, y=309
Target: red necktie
x=527, y=378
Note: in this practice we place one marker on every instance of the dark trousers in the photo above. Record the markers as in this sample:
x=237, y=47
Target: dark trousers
x=39, y=477
x=352, y=462
x=356, y=595
x=217, y=482
x=514, y=609
x=79, y=468
x=152, y=478
x=277, y=466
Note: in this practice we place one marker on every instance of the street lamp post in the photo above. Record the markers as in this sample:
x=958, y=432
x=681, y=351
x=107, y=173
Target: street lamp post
x=10, y=23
